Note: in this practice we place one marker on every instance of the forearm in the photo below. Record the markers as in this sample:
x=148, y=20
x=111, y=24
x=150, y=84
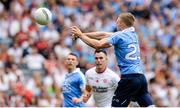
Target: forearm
x=87, y=93
x=102, y=43
x=98, y=35
x=86, y=97
x=91, y=42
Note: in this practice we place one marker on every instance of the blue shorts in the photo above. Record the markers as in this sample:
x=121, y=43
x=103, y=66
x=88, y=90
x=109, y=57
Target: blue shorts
x=132, y=87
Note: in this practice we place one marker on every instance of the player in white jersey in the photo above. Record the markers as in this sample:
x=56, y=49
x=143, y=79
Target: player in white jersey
x=101, y=81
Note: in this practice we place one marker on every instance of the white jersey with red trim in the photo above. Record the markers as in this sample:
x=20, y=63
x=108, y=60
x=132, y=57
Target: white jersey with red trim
x=103, y=85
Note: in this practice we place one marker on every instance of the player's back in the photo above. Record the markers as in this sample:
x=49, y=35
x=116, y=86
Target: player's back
x=127, y=51
x=103, y=84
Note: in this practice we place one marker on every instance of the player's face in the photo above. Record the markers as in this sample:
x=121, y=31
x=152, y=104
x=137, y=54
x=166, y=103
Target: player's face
x=119, y=23
x=100, y=60
x=71, y=62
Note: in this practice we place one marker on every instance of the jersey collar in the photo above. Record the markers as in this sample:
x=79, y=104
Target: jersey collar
x=76, y=70
x=129, y=29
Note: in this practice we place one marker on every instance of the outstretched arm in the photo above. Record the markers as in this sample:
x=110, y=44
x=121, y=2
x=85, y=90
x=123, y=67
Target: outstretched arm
x=98, y=35
x=103, y=43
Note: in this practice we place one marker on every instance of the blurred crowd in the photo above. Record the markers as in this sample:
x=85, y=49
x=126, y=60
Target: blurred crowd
x=32, y=56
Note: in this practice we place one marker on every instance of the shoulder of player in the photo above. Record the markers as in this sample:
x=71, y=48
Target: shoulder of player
x=111, y=73
x=109, y=70
x=116, y=33
x=90, y=71
x=79, y=74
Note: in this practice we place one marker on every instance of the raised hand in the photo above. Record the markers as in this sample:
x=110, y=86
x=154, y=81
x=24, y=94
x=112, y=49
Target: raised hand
x=74, y=37
x=76, y=31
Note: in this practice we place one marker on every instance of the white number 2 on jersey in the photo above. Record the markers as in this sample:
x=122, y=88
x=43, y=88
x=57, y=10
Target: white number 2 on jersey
x=129, y=55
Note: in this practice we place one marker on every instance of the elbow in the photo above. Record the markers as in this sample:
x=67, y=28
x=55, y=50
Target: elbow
x=98, y=46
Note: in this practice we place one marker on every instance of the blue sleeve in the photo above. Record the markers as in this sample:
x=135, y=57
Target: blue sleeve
x=114, y=38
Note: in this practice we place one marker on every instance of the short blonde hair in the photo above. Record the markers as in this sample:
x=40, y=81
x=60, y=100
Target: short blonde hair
x=127, y=18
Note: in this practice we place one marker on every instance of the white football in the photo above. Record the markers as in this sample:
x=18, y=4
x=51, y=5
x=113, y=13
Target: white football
x=42, y=16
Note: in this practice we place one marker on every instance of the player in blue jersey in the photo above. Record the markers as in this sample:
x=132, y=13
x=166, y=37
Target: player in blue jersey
x=133, y=84
x=74, y=84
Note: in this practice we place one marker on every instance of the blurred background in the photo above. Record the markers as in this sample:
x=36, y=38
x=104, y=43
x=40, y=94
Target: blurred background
x=32, y=56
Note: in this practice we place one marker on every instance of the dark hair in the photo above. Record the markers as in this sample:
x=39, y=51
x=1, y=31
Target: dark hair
x=100, y=50
x=74, y=54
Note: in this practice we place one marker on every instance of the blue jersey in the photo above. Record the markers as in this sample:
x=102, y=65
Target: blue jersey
x=72, y=87
x=126, y=49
